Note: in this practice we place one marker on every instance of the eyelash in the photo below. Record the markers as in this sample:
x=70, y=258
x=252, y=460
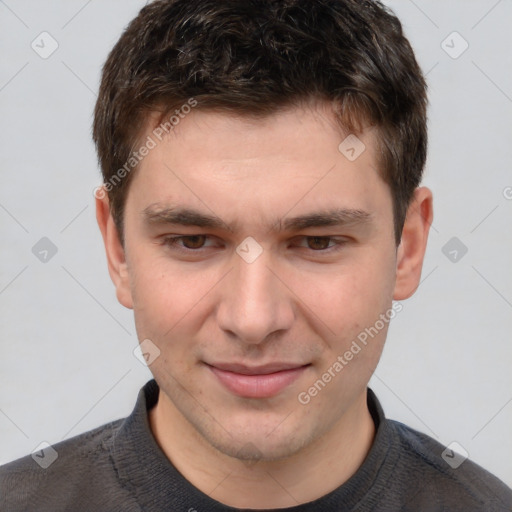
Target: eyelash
x=172, y=243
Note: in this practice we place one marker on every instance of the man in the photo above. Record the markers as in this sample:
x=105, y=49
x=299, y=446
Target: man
x=262, y=216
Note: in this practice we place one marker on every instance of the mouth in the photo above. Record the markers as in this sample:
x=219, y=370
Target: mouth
x=256, y=381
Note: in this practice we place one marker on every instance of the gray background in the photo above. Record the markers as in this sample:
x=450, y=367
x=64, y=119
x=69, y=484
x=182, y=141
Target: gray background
x=66, y=361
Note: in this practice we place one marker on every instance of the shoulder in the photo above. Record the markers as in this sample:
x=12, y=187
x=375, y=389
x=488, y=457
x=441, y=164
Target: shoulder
x=445, y=477
x=69, y=472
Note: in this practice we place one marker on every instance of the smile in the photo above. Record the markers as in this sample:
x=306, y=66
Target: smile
x=262, y=382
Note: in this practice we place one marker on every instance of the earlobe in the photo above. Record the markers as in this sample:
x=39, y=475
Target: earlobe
x=411, y=251
x=116, y=257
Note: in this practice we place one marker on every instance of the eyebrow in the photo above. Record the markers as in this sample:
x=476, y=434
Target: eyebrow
x=184, y=216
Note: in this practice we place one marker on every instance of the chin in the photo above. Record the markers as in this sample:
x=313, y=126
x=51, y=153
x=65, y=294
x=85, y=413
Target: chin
x=251, y=441
x=251, y=450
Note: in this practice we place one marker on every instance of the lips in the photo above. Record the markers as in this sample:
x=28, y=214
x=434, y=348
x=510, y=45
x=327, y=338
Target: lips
x=256, y=381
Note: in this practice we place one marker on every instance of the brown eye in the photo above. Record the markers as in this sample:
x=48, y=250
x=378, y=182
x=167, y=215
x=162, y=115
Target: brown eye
x=193, y=241
x=185, y=242
x=318, y=243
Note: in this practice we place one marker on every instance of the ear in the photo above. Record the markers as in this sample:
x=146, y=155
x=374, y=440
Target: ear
x=117, y=266
x=411, y=250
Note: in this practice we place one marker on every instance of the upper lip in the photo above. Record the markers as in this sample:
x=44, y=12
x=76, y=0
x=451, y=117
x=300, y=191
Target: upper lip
x=256, y=370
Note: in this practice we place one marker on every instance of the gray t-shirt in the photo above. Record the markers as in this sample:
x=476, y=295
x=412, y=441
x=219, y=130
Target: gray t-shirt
x=120, y=467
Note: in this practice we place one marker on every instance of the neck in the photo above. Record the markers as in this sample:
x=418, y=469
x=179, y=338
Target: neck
x=316, y=470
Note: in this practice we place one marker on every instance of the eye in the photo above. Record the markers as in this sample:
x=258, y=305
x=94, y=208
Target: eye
x=318, y=242
x=186, y=242
x=197, y=243
x=322, y=243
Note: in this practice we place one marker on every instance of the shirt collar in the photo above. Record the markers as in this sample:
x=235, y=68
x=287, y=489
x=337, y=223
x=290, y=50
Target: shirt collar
x=156, y=484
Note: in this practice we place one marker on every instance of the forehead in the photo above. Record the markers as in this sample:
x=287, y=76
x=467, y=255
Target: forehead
x=266, y=167
x=309, y=127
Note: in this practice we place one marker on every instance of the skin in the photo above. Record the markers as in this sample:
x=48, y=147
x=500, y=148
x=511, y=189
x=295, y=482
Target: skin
x=297, y=302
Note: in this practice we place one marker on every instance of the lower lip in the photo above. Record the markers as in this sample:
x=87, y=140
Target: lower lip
x=257, y=386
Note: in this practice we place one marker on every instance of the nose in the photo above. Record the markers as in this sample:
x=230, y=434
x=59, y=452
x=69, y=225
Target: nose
x=255, y=303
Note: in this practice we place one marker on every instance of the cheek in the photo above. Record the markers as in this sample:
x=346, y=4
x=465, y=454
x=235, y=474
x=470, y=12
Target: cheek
x=158, y=295
x=167, y=297
x=350, y=300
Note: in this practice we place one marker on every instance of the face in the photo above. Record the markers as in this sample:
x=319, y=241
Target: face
x=256, y=253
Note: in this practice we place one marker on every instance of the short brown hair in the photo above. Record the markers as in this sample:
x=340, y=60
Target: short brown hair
x=255, y=57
